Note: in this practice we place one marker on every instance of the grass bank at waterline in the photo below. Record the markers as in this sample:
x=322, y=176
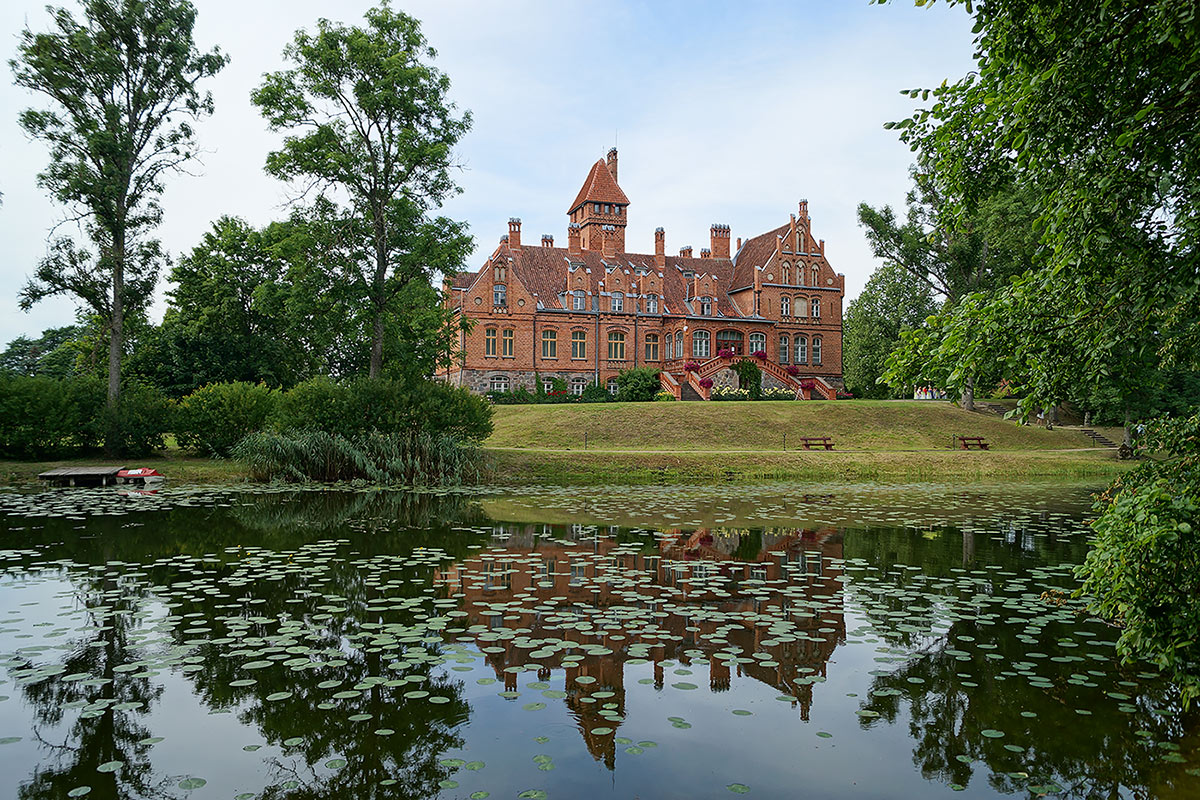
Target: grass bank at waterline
x=878, y=425
x=524, y=466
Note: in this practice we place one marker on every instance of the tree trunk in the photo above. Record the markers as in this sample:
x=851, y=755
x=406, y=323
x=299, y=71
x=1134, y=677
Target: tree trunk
x=968, y=394
x=377, y=346
x=1128, y=428
x=379, y=292
x=1051, y=413
x=116, y=343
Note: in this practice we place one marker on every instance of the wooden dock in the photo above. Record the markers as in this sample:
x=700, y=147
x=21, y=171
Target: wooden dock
x=81, y=476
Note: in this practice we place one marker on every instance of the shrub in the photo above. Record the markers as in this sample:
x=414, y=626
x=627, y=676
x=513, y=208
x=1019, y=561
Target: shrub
x=317, y=404
x=595, y=393
x=664, y=396
x=638, y=385
x=49, y=418
x=215, y=417
x=560, y=396
x=419, y=458
x=137, y=425
x=749, y=377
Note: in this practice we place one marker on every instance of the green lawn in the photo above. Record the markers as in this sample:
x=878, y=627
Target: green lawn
x=887, y=426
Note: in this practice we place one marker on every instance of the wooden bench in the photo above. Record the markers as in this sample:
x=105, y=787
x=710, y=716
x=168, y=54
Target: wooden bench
x=969, y=442
x=817, y=442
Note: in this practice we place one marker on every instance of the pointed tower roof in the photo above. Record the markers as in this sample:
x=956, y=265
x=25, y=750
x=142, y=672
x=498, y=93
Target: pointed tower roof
x=599, y=187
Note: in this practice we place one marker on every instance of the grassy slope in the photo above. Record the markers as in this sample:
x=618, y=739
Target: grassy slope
x=722, y=426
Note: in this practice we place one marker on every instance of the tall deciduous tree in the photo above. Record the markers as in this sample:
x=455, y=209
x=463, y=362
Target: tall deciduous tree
x=369, y=116
x=893, y=300
x=122, y=85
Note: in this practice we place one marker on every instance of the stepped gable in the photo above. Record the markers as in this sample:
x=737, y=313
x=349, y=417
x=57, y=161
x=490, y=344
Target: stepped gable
x=599, y=187
x=755, y=252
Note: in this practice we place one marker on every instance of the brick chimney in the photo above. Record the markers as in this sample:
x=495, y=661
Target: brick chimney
x=719, y=237
x=739, y=244
x=685, y=251
x=608, y=241
x=547, y=240
x=612, y=163
x=705, y=252
x=514, y=233
x=573, y=244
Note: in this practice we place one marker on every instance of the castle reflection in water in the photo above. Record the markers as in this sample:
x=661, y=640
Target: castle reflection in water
x=760, y=604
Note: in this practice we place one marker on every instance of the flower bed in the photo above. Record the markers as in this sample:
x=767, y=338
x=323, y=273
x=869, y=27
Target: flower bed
x=725, y=352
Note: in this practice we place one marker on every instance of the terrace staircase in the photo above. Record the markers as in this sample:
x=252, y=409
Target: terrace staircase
x=688, y=393
x=1099, y=438
x=686, y=386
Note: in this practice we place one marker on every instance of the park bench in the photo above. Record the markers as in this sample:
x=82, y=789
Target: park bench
x=816, y=442
x=969, y=442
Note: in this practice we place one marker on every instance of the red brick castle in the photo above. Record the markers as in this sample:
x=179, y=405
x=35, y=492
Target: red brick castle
x=585, y=312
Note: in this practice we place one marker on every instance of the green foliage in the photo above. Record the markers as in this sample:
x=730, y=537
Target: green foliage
x=51, y=355
x=893, y=300
x=638, y=385
x=1091, y=105
x=122, y=92
x=1144, y=567
x=392, y=407
x=664, y=396
x=47, y=418
x=749, y=378
x=215, y=417
x=595, y=393
x=135, y=427
x=367, y=114
x=418, y=458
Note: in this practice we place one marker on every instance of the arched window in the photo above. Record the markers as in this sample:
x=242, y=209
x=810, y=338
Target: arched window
x=549, y=344
x=618, y=301
x=679, y=344
x=578, y=344
x=616, y=346
x=816, y=349
x=801, y=350
x=787, y=273
x=801, y=307
x=652, y=347
x=785, y=307
x=706, y=306
x=578, y=385
x=577, y=300
x=730, y=340
x=784, y=341
x=489, y=342
x=499, y=383
x=506, y=342
x=668, y=347
x=500, y=273
x=814, y=275
x=758, y=343
x=652, y=304
x=613, y=386
x=700, y=344
x=499, y=295
x=816, y=307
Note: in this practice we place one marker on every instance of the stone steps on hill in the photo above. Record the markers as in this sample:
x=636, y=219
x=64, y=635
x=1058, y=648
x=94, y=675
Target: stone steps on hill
x=686, y=392
x=1098, y=438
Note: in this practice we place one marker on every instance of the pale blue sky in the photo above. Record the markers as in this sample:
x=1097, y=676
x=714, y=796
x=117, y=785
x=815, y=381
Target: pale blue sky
x=722, y=112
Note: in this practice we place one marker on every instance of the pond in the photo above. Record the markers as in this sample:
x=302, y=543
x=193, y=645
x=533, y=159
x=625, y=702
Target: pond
x=776, y=641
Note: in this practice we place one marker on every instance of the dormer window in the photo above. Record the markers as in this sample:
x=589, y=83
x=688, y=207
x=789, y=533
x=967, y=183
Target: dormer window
x=618, y=301
x=577, y=300
x=500, y=295
x=688, y=275
x=706, y=306
x=652, y=304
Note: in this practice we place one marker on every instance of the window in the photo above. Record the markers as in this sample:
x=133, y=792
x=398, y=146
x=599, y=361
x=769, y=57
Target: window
x=500, y=273
x=499, y=383
x=652, y=347
x=597, y=207
x=547, y=385
x=618, y=302
x=801, y=307
x=612, y=386
x=787, y=273
x=700, y=344
x=814, y=276
x=577, y=300
x=506, y=343
x=652, y=304
x=578, y=385
x=578, y=344
x=549, y=344
x=706, y=306
x=816, y=349
x=499, y=295
x=679, y=344
x=816, y=307
x=784, y=341
x=730, y=340
x=758, y=341
x=489, y=342
x=785, y=307
x=801, y=350
x=616, y=346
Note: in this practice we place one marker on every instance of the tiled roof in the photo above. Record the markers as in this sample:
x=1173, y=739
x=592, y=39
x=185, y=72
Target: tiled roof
x=755, y=253
x=599, y=187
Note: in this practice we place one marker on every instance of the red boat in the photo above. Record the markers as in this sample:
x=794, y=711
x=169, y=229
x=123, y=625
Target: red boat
x=140, y=475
